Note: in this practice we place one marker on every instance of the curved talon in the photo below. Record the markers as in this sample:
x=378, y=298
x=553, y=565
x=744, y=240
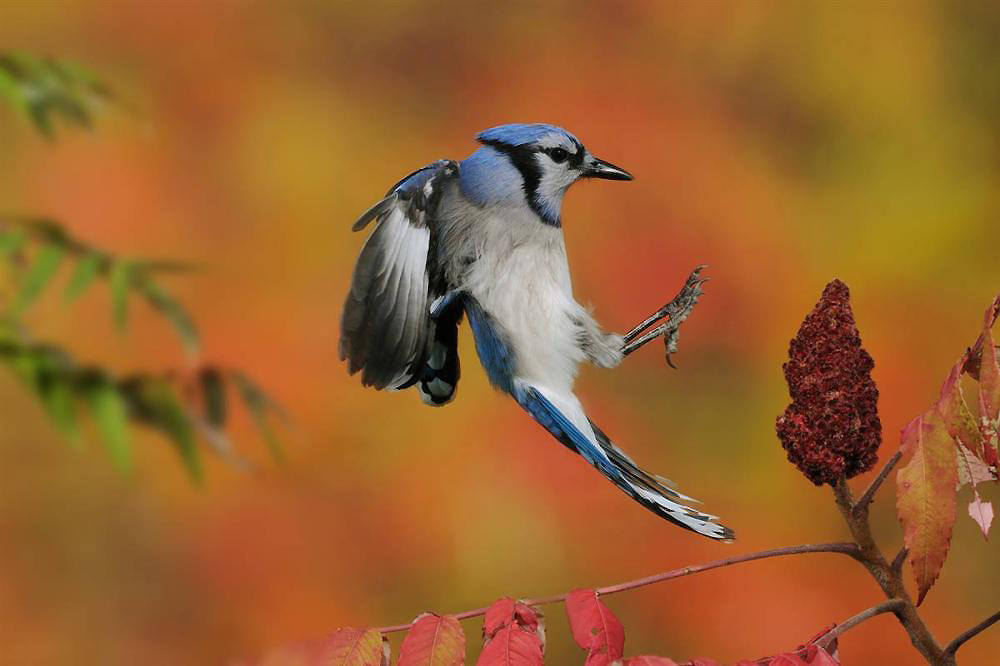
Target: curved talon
x=676, y=311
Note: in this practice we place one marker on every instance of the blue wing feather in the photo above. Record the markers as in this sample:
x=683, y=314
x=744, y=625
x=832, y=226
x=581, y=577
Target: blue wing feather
x=494, y=352
x=549, y=417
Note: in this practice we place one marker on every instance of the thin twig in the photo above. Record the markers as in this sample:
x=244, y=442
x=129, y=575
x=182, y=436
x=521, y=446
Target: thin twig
x=897, y=562
x=970, y=633
x=889, y=606
x=888, y=579
x=869, y=494
x=844, y=548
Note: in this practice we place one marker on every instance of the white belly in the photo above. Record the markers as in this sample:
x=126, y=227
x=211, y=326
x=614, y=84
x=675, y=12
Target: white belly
x=521, y=278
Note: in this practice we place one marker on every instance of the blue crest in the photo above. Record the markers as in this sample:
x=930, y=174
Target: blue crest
x=520, y=134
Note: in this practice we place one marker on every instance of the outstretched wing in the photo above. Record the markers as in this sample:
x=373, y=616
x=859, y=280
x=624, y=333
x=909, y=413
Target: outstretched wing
x=386, y=324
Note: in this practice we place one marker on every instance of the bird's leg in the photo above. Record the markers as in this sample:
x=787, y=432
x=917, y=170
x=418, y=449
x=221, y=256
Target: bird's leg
x=676, y=311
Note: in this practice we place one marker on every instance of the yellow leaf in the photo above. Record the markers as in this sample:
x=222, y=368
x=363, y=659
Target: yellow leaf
x=925, y=496
x=353, y=647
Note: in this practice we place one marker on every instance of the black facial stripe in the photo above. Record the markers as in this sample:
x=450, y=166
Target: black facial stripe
x=523, y=157
x=574, y=159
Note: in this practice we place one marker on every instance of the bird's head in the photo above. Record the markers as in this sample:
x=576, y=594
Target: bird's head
x=549, y=159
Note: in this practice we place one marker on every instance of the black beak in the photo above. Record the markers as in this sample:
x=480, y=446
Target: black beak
x=595, y=168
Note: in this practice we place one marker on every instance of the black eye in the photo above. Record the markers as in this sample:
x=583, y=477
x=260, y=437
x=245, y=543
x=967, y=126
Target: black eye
x=558, y=155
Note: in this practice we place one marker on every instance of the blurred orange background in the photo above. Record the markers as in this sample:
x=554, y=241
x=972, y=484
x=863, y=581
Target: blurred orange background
x=783, y=144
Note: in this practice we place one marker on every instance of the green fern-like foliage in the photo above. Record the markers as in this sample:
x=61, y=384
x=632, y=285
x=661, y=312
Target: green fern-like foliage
x=45, y=90
x=192, y=410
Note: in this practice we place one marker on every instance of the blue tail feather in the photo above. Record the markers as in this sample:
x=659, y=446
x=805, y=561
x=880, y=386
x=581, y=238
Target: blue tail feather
x=550, y=418
x=561, y=414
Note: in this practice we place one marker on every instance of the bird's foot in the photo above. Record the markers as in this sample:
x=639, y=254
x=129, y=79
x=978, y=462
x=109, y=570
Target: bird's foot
x=676, y=311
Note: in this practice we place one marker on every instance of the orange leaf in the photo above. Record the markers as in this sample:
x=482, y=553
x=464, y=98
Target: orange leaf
x=433, y=640
x=352, y=647
x=646, y=660
x=955, y=411
x=925, y=496
x=594, y=626
x=512, y=646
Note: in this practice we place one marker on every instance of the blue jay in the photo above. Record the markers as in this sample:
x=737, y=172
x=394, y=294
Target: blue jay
x=483, y=238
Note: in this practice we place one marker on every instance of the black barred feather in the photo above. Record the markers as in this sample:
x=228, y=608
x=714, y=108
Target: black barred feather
x=660, y=498
x=441, y=371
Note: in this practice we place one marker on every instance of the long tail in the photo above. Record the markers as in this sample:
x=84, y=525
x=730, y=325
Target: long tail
x=563, y=416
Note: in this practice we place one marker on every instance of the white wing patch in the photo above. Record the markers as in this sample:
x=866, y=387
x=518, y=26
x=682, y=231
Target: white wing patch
x=386, y=322
x=384, y=330
x=408, y=281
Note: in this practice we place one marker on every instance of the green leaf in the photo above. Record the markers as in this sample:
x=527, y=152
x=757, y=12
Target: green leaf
x=213, y=390
x=60, y=403
x=120, y=279
x=174, y=312
x=25, y=365
x=161, y=409
x=45, y=266
x=45, y=88
x=259, y=405
x=11, y=242
x=111, y=415
x=9, y=89
x=87, y=270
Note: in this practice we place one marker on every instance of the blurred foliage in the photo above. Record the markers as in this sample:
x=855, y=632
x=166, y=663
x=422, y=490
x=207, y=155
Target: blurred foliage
x=33, y=250
x=784, y=144
x=36, y=248
x=46, y=89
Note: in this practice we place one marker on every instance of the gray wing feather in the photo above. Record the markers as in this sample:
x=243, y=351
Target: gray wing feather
x=378, y=210
x=385, y=324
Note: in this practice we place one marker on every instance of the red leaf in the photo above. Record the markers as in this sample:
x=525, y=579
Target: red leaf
x=512, y=646
x=989, y=371
x=594, y=626
x=433, y=640
x=974, y=355
x=786, y=660
x=351, y=647
x=817, y=656
x=925, y=496
x=649, y=661
x=504, y=612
